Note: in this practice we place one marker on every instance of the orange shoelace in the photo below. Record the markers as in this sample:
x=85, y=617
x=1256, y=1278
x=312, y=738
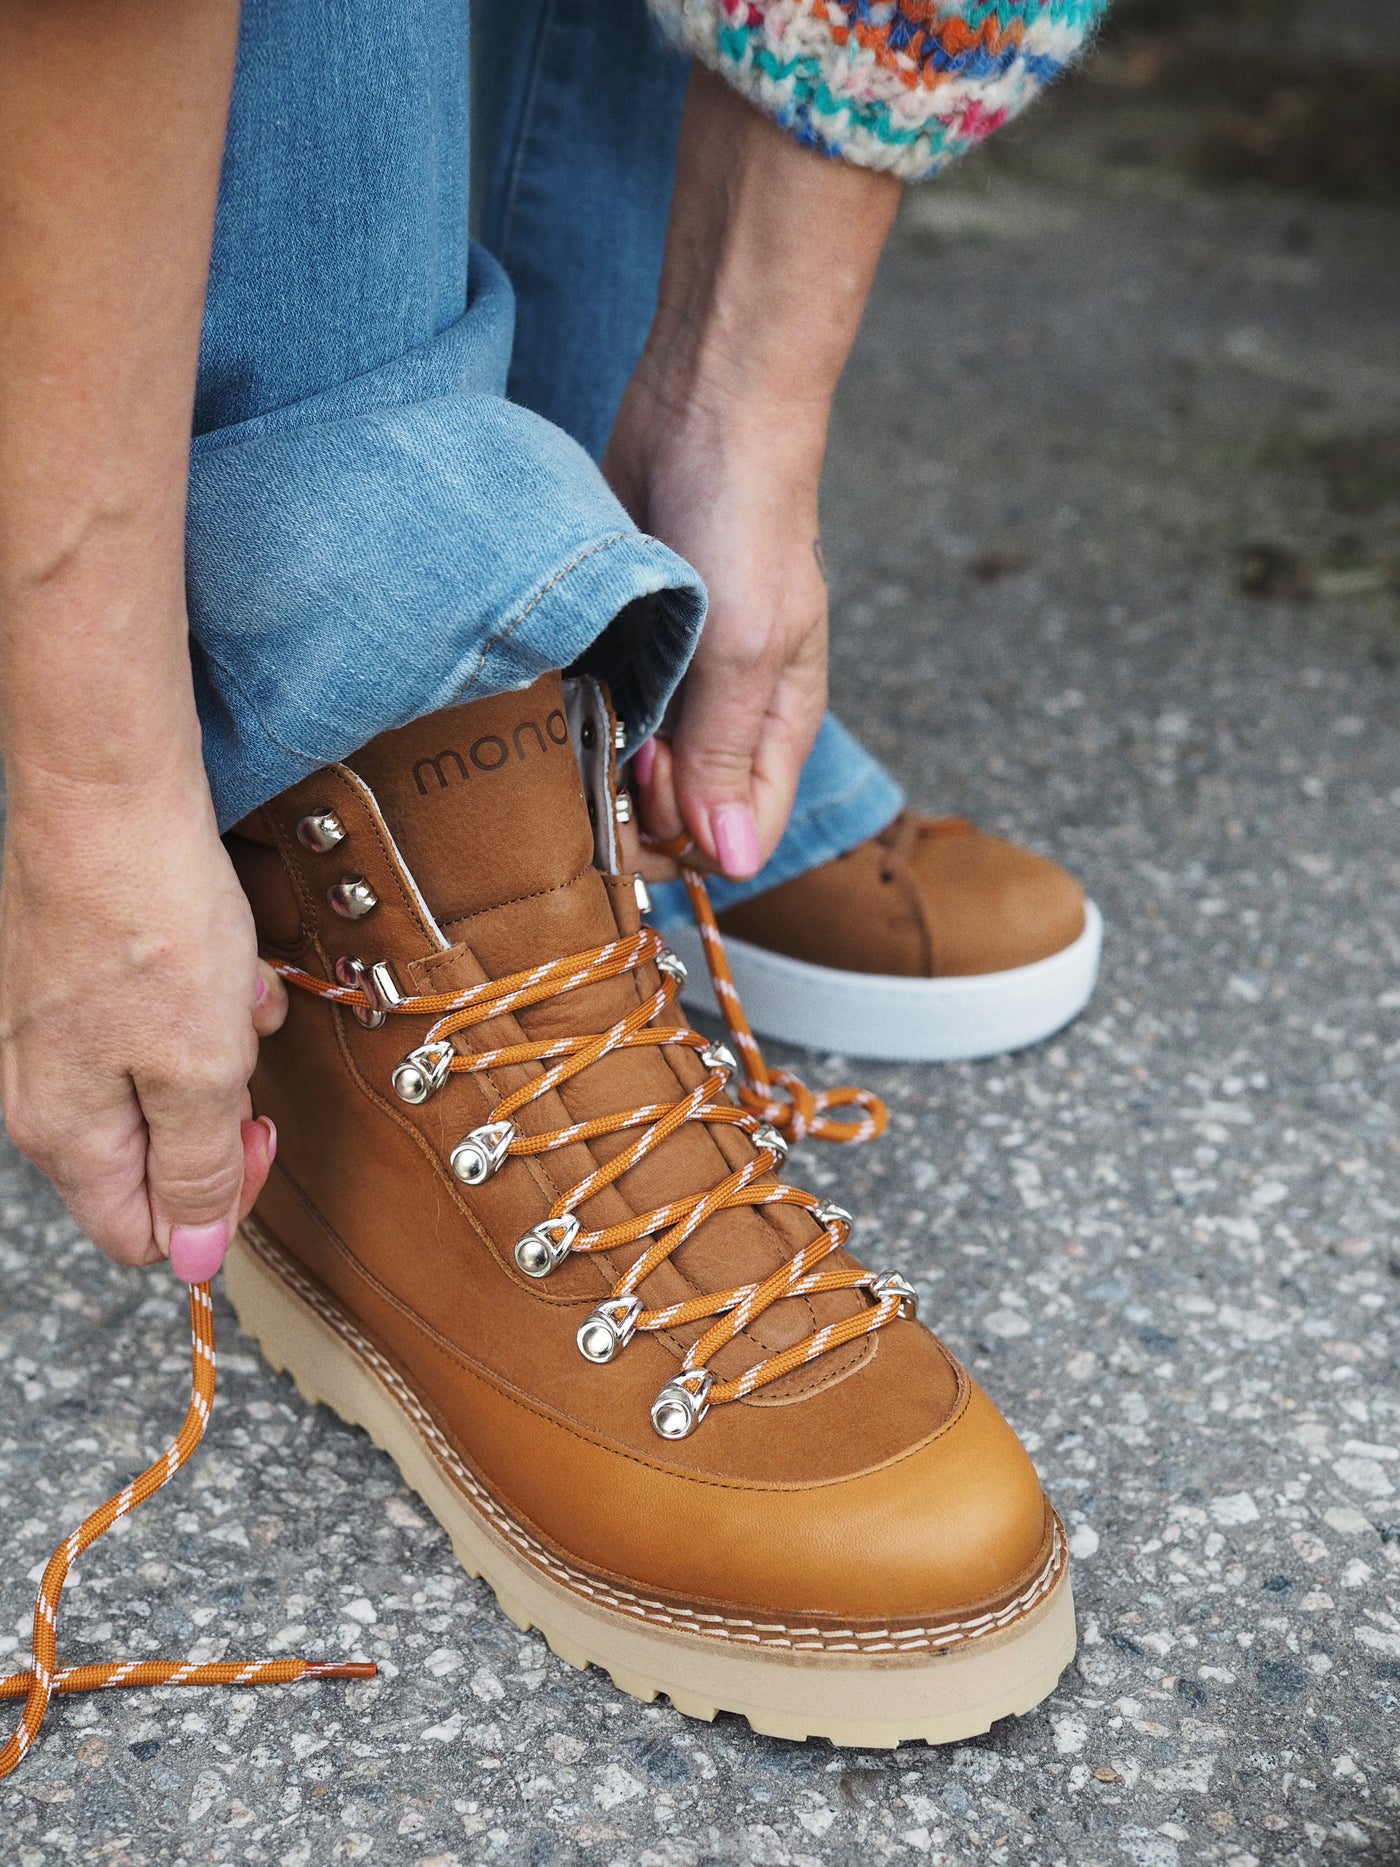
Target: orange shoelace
x=768, y=1118
x=46, y=1678
x=773, y=1107
x=796, y=1110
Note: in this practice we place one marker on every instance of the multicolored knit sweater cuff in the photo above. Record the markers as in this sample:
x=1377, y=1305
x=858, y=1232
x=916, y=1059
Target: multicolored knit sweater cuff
x=901, y=85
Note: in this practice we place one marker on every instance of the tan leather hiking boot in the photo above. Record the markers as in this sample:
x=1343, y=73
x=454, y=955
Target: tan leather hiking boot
x=520, y=1233
x=928, y=942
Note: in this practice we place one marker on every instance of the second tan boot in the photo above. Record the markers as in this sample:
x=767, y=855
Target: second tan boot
x=929, y=942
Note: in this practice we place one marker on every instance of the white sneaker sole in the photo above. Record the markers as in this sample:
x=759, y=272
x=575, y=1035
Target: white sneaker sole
x=953, y=1685
x=897, y=1020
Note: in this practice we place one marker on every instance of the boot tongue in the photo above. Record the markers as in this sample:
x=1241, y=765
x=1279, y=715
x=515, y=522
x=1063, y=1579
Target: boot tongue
x=487, y=806
x=484, y=800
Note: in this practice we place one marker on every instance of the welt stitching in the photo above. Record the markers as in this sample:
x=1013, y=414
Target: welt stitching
x=940, y=1634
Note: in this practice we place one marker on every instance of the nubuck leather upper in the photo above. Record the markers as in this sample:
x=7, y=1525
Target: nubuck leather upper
x=512, y=1200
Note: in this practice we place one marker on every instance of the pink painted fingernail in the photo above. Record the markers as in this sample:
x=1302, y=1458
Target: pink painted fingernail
x=644, y=761
x=197, y=1251
x=266, y=1121
x=736, y=839
x=260, y=990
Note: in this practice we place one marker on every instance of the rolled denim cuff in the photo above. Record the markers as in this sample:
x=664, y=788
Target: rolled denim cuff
x=407, y=541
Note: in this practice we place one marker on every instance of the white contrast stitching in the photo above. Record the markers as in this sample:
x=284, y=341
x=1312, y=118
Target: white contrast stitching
x=641, y=1607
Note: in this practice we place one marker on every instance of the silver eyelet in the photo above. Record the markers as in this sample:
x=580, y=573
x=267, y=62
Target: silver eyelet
x=893, y=1284
x=828, y=1213
x=478, y=1154
x=672, y=964
x=546, y=1245
x=422, y=1072
x=606, y=1331
x=352, y=897
x=319, y=831
x=681, y=1405
x=622, y=807
x=641, y=894
x=619, y=736
x=766, y=1135
x=719, y=1056
x=378, y=984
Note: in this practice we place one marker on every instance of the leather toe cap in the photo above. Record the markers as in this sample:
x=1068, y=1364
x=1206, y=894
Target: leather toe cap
x=990, y=906
x=955, y=1526
x=949, y=1529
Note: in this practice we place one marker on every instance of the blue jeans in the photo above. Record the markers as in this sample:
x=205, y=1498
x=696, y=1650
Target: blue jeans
x=375, y=529
x=577, y=108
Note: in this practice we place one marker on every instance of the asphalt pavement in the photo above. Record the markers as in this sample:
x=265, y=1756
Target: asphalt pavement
x=1113, y=526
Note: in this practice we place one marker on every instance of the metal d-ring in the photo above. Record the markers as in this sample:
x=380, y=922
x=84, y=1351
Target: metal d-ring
x=766, y=1135
x=682, y=1403
x=378, y=984
x=606, y=1330
x=545, y=1246
x=828, y=1213
x=478, y=1154
x=894, y=1284
x=423, y=1071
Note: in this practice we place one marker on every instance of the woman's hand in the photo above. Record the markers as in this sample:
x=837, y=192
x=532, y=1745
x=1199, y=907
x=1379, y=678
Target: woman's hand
x=718, y=448
x=128, y=972
x=131, y=1002
x=735, y=494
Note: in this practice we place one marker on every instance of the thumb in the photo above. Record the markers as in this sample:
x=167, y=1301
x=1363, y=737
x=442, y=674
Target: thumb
x=269, y=1001
x=194, y=1177
x=712, y=760
x=195, y=1254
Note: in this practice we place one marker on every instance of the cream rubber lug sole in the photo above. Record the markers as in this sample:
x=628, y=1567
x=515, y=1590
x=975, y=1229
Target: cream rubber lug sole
x=887, y=1018
x=852, y=1699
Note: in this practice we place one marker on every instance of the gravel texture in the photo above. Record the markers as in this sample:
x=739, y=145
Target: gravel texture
x=1091, y=403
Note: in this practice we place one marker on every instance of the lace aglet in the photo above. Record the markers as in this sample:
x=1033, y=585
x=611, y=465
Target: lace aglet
x=341, y=1669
